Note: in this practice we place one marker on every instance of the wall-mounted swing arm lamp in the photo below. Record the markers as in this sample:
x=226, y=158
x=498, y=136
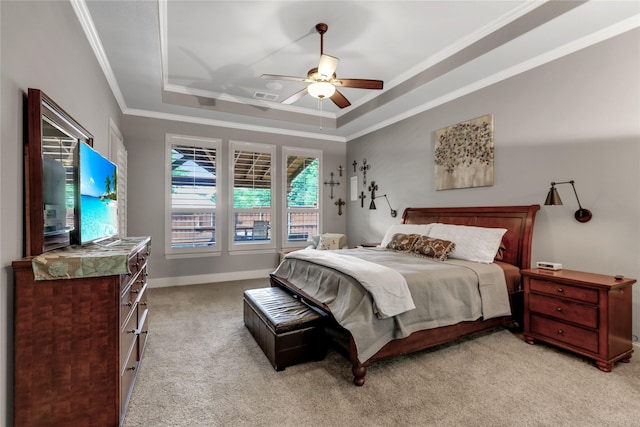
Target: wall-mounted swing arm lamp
x=553, y=198
x=372, y=205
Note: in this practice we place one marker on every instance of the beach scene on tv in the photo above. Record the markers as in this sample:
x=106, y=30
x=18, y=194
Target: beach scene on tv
x=98, y=196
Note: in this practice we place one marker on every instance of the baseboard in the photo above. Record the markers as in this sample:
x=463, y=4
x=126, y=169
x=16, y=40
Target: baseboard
x=636, y=346
x=163, y=282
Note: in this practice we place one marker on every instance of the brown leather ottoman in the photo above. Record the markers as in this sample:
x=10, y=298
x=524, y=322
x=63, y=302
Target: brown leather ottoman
x=287, y=330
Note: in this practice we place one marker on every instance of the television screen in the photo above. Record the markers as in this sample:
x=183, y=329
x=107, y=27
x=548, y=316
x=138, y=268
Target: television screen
x=98, y=196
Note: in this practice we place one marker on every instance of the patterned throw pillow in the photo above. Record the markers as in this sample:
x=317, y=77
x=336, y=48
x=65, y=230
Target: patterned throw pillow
x=329, y=241
x=500, y=253
x=433, y=248
x=402, y=242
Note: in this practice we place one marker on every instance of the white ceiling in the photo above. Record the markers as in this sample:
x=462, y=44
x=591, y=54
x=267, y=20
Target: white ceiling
x=201, y=61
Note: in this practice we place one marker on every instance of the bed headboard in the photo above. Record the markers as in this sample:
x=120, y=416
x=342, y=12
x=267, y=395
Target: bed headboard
x=518, y=220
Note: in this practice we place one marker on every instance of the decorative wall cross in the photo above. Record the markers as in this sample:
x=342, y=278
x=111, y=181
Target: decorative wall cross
x=362, y=196
x=340, y=169
x=340, y=203
x=364, y=168
x=331, y=183
x=373, y=188
x=354, y=165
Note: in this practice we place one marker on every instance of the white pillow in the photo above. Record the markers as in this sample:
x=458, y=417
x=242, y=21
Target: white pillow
x=478, y=244
x=421, y=229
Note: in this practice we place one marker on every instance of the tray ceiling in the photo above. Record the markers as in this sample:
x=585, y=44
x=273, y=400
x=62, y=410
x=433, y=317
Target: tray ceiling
x=201, y=61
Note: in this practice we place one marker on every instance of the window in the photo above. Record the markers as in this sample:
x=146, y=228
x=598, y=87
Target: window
x=191, y=195
x=302, y=203
x=252, y=189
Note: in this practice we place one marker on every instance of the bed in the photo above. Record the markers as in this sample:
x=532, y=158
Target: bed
x=319, y=290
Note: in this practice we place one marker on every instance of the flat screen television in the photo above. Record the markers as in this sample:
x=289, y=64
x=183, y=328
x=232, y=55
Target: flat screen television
x=98, y=196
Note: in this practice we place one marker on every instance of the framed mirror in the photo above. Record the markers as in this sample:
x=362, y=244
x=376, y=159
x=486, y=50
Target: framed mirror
x=50, y=171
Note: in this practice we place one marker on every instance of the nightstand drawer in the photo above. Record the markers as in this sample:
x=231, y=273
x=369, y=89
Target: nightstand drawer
x=563, y=332
x=567, y=291
x=561, y=309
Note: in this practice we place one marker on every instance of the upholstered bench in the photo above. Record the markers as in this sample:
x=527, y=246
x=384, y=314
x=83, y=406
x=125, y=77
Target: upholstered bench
x=287, y=330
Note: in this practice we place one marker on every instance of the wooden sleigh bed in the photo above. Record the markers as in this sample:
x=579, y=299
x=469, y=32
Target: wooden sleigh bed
x=518, y=220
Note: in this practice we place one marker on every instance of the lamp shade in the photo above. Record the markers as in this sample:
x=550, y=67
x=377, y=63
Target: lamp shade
x=321, y=90
x=553, y=198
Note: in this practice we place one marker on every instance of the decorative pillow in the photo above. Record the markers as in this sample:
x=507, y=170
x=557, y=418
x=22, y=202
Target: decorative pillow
x=329, y=241
x=500, y=254
x=404, y=229
x=478, y=244
x=402, y=242
x=433, y=248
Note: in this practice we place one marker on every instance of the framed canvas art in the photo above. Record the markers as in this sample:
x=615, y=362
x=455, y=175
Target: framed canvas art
x=464, y=154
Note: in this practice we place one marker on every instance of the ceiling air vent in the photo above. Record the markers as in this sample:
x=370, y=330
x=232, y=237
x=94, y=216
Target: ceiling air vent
x=265, y=96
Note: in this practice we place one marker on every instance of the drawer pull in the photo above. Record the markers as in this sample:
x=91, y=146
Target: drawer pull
x=129, y=304
x=560, y=332
x=135, y=291
x=132, y=368
x=133, y=331
x=560, y=290
x=144, y=332
x=559, y=309
x=144, y=303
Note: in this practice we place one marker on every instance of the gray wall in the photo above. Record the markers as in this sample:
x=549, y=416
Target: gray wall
x=576, y=118
x=43, y=47
x=145, y=141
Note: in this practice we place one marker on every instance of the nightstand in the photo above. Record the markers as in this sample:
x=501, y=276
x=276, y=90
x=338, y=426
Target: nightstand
x=589, y=314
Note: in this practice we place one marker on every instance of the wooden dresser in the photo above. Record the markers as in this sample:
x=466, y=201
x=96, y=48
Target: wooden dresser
x=589, y=314
x=78, y=342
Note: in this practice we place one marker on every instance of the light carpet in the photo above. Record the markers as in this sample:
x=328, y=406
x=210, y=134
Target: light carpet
x=202, y=367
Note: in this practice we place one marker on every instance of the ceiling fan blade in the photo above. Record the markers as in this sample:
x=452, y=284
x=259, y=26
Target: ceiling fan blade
x=340, y=100
x=359, y=83
x=279, y=77
x=327, y=66
x=296, y=96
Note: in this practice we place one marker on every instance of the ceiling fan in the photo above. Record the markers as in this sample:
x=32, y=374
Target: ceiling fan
x=323, y=79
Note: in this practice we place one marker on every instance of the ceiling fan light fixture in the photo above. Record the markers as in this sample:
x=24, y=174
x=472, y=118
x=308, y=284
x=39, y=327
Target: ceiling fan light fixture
x=321, y=90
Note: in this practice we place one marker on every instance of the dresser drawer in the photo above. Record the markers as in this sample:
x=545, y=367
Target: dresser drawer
x=127, y=338
x=568, y=291
x=127, y=375
x=128, y=300
x=134, y=264
x=143, y=330
x=562, y=309
x=573, y=335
